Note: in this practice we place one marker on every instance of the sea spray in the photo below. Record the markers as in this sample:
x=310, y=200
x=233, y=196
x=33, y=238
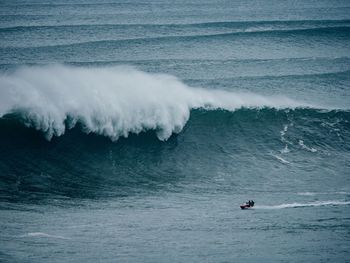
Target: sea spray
x=114, y=101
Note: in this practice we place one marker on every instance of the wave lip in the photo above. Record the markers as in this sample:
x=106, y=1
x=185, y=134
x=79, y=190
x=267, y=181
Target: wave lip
x=114, y=101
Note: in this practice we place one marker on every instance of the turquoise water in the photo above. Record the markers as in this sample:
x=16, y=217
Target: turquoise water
x=132, y=131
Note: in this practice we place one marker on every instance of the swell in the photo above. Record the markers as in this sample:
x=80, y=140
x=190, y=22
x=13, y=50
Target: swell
x=216, y=24
x=344, y=74
x=342, y=32
x=37, y=4
x=340, y=59
x=235, y=69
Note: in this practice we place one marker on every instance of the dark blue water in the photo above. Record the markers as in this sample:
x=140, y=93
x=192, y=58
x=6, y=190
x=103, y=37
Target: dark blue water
x=132, y=131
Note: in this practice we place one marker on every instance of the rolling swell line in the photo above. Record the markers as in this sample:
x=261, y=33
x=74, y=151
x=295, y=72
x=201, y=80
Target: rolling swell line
x=343, y=73
x=214, y=24
x=343, y=32
x=200, y=60
x=69, y=4
x=339, y=62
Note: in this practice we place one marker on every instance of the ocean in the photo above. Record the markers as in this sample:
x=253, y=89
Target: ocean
x=132, y=131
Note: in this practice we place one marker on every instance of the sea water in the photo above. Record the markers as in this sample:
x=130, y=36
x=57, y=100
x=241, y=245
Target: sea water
x=131, y=131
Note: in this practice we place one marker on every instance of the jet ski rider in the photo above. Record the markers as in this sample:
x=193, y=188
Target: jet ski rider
x=250, y=203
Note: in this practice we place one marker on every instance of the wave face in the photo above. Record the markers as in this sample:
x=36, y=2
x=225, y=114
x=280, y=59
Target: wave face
x=216, y=149
x=114, y=101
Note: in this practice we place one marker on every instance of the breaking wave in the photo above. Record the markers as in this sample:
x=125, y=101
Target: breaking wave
x=114, y=101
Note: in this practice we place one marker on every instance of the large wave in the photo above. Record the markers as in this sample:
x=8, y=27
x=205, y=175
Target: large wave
x=114, y=101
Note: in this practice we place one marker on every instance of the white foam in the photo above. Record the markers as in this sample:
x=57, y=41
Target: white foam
x=41, y=234
x=279, y=158
x=114, y=101
x=285, y=149
x=307, y=193
x=343, y=193
x=322, y=193
x=310, y=149
x=283, y=132
x=311, y=204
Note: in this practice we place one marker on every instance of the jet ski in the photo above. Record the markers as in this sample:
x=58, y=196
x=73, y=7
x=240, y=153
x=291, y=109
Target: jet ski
x=247, y=205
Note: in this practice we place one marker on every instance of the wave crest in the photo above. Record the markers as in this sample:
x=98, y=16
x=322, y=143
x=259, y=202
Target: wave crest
x=114, y=101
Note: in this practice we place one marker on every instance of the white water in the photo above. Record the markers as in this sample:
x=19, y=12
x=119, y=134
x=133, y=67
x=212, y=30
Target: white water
x=41, y=234
x=279, y=158
x=114, y=101
x=303, y=146
x=311, y=204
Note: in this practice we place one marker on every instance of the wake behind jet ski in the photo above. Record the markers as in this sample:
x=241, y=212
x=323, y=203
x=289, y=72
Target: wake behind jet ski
x=247, y=205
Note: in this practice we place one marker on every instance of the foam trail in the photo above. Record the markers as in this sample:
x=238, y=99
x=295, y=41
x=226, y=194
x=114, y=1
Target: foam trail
x=307, y=193
x=41, y=234
x=303, y=146
x=113, y=101
x=311, y=204
x=279, y=158
x=323, y=193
